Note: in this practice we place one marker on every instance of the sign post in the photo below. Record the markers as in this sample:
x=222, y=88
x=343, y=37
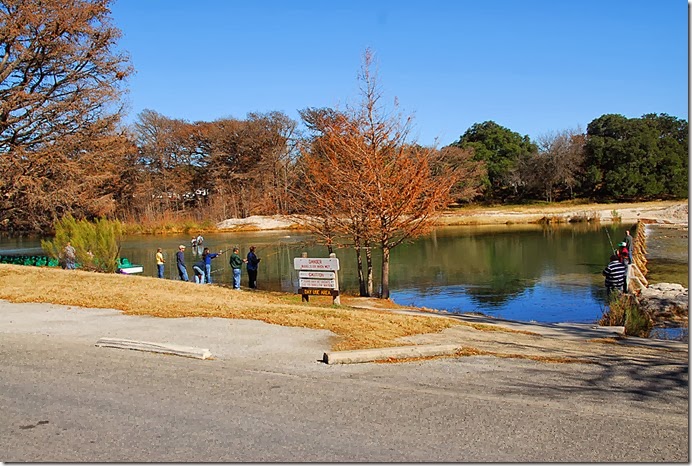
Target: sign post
x=318, y=276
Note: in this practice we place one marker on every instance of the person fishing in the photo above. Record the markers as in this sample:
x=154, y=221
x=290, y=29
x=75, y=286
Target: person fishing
x=180, y=262
x=199, y=241
x=206, y=258
x=159, y=262
x=198, y=268
x=252, y=263
x=615, y=275
x=236, y=264
x=628, y=240
x=623, y=253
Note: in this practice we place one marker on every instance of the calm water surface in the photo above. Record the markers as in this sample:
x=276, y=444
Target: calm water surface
x=519, y=272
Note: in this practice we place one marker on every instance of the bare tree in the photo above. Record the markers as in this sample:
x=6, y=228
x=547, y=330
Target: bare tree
x=558, y=163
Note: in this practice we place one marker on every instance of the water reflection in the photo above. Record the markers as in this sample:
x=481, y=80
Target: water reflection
x=546, y=274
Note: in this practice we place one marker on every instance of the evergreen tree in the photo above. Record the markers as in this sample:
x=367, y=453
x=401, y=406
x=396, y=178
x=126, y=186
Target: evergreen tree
x=637, y=159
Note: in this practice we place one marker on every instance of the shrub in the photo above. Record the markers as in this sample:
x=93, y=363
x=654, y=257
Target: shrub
x=623, y=309
x=96, y=244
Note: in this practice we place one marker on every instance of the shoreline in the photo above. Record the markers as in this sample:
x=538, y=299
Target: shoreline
x=660, y=212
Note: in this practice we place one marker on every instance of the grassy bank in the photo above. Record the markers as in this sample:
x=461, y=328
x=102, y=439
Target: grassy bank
x=353, y=328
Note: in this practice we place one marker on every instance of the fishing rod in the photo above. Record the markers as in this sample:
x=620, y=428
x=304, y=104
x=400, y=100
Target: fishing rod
x=609, y=240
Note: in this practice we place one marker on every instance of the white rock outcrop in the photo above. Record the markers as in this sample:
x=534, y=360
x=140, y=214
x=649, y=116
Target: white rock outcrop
x=665, y=302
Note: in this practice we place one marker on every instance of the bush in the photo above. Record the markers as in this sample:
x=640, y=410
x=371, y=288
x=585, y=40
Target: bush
x=96, y=244
x=623, y=310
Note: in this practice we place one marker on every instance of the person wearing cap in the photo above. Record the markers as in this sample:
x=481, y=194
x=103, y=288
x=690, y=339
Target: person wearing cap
x=628, y=242
x=623, y=253
x=236, y=264
x=159, y=262
x=180, y=261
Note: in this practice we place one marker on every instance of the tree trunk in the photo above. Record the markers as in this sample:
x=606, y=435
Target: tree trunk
x=385, y=273
x=359, y=262
x=368, y=260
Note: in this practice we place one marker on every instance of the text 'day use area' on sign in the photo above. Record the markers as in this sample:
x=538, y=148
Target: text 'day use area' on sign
x=307, y=263
x=319, y=292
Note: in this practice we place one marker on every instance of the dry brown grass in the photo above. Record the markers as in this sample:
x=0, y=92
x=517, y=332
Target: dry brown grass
x=605, y=340
x=135, y=295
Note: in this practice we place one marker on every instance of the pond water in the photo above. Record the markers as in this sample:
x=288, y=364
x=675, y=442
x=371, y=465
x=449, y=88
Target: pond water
x=668, y=254
x=518, y=272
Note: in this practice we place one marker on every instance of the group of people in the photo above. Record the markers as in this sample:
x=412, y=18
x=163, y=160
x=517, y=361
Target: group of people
x=252, y=261
x=197, y=242
x=202, y=268
x=615, y=272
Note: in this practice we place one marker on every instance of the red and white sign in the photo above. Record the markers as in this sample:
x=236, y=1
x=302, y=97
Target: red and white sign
x=317, y=264
x=312, y=274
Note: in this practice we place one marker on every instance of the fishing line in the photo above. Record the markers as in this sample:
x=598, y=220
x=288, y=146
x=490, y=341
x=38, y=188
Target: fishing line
x=609, y=240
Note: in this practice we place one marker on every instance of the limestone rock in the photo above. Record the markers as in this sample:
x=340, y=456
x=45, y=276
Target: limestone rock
x=665, y=303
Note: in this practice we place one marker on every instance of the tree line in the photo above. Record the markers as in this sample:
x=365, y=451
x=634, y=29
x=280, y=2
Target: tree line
x=350, y=171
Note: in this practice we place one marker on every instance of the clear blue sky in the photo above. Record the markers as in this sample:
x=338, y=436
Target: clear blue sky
x=533, y=66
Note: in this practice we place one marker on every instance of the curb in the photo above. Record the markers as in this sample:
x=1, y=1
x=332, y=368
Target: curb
x=380, y=354
x=176, y=350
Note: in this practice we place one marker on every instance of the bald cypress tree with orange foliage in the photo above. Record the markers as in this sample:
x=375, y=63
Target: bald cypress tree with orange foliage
x=364, y=179
x=60, y=84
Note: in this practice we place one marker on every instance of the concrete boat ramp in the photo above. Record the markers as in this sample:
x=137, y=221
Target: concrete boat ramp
x=215, y=338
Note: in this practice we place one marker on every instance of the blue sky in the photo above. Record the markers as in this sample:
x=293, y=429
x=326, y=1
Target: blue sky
x=533, y=66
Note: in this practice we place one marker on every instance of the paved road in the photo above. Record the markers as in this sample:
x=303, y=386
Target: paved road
x=64, y=400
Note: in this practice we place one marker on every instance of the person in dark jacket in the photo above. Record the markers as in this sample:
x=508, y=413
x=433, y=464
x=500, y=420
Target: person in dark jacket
x=198, y=268
x=180, y=262
x=252, y=263
x=207, y=257
x=615, y=275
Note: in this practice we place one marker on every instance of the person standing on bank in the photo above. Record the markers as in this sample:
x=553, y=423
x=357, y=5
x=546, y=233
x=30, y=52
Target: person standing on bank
x=252, y=263
x=615, y=275
x=207, y=257
x=180, y=262
x=69, y=256
x=236, y=264
x=159, y=262
x=628, y=242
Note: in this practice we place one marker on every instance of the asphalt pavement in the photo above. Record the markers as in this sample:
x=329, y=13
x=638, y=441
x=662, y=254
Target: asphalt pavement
x=267, y=397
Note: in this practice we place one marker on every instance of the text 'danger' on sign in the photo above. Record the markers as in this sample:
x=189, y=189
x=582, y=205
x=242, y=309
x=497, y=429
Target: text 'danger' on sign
x=307, y=263
x=312, y=274
x=312, y=283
